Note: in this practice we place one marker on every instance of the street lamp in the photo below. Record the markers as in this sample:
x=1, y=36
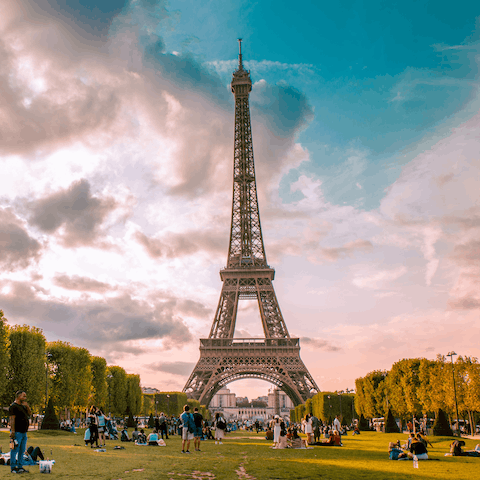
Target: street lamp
x=168, y=405
x=109, y=378
x=347, y=391
x=340, y=395
x=330, y=403
x=451, y=355
x=48, y=356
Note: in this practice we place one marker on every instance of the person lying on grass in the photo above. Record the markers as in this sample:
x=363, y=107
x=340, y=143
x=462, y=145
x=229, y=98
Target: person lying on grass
x=456, y=450
x=30, y=457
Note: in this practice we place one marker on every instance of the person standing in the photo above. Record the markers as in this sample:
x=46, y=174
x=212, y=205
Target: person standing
x=276, y=429
x=163, y=425
x=336, y=424
x=19, y=413
x=220, y=427
x=188, y=428
x=101, y=426
x=198, y=419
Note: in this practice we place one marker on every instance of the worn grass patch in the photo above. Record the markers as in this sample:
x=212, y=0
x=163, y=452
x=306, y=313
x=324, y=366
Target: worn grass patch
x=244, y=456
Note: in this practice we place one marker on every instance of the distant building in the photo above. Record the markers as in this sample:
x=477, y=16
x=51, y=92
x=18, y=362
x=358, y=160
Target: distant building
x=278, y=403
x=223, y=399
x=150, y=390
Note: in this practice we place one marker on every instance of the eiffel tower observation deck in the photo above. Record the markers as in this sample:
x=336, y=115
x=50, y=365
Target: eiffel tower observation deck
x=223, y=358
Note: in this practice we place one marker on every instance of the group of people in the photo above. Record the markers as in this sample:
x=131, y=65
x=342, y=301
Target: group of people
x=99, y=427
x=416, y=447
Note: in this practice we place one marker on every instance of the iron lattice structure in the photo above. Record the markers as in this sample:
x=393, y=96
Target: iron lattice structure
x=223, y=358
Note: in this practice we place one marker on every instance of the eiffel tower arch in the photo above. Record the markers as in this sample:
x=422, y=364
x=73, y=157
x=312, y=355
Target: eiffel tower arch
x=223, y=358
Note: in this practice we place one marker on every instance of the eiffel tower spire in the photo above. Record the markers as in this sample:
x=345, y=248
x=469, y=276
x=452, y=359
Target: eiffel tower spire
x=276, y=358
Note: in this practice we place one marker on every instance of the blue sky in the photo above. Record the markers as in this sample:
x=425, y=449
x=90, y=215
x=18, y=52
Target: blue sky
x=117, y=145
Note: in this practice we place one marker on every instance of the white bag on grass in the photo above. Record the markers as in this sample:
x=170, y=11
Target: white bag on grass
x=46, y=466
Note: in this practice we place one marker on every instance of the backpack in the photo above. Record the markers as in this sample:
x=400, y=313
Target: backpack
x=221, y=424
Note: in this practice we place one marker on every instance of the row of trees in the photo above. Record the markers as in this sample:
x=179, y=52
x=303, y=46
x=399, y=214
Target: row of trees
x=418, y=386
x=325, y=406
x=69, y=375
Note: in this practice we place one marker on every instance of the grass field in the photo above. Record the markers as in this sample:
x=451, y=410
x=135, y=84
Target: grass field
x=244, y=456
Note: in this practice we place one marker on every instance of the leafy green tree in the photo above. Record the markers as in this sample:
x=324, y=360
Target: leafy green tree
x=3, y=354
x=117, y=387
x=99, y=382
x=71, y=375
x=469, y=402
x=26, y=366
x=403, y=384
x=147, y=408
x=134, y=394
x=373, y=391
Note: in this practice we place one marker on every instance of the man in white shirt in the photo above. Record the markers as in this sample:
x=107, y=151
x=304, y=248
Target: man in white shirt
x=336, y=425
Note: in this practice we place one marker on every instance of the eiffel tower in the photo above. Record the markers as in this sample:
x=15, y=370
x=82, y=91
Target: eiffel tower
x=223, y=358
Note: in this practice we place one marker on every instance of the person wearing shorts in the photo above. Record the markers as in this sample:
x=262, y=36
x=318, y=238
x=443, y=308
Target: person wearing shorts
x=188, y=428
x=198, y=419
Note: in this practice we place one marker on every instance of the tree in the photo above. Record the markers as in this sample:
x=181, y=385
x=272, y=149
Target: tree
x=390, y=423
x=71, y=375
x=117, y=387
x=50, y=420
x=134, y=394
x=3, y=354
x=403, y=383
x=441, y=427
x=26, y=366
x=99, y=381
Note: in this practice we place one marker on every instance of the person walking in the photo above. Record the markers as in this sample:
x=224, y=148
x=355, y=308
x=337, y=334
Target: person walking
x=19, y=413
x=188, y=428
x=220, y=427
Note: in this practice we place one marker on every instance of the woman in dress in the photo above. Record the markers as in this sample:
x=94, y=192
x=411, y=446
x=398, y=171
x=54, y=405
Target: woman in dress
x=220, y=426
x=276, y=429
x=309, y=427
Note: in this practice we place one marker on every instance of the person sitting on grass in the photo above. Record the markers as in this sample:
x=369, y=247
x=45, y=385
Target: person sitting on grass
x=124, y=437
x=269, y=433
x=297, y=442
x=418, y=449
x=152, y=439
x=424, y=440
x=142, y=438
x=395, y=452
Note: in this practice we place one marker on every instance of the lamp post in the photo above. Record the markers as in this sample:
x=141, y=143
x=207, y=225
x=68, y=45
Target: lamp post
x=330, y=404
x=168, y=405
x=451, y=355
x=109, y=378
x=48, y=356
x=340, y=396
x=347, y=391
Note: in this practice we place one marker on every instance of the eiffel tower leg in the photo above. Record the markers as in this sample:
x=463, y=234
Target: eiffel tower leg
x=272, y=319
x=225, y=317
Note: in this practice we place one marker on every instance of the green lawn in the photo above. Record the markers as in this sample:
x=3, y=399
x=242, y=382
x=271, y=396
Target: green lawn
x=244, y=456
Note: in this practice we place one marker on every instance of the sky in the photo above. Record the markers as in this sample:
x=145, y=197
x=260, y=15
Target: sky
x=116, y=163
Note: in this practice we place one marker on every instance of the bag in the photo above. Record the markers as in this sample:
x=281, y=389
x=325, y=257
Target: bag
x=221, y=424
x=46, y=466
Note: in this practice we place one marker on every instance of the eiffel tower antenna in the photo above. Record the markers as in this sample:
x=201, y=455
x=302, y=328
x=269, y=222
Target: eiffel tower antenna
x=223, y=358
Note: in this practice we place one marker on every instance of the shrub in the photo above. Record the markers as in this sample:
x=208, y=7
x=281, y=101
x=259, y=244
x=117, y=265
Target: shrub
x=50, y=420
x=390, y=423
x=441, y=427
